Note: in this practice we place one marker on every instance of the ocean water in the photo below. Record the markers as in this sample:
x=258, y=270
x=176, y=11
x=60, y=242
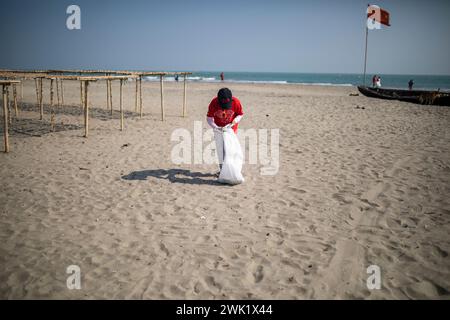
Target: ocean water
x=334, y=79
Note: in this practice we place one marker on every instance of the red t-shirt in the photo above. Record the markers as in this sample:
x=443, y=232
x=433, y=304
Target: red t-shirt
x=222, y=117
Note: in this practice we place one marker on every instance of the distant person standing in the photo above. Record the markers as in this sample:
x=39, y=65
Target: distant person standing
x=378, y=82
x=374, y=81
x=176, y=78
x=222, y=77
x=410, y=84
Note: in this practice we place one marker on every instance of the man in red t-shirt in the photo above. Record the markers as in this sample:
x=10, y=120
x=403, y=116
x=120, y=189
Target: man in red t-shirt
x=224, y=111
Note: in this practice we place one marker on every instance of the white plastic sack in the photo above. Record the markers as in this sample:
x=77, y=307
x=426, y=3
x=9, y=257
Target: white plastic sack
x=232, y=164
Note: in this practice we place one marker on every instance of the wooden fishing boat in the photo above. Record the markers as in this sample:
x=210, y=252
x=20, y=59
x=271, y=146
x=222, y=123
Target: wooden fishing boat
x=428, y=97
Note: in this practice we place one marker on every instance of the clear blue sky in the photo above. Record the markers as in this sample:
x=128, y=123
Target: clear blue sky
x=228, y=35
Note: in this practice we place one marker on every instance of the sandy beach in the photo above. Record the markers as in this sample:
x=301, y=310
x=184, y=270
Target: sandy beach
x=361, y=182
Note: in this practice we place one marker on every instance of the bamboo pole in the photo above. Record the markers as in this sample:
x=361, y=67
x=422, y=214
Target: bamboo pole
x=57, y=92
x=121, y=105
x=8, y=105
x=184, y=97
x=140, y=97
x=107, y=94
x=136, y=97
x=86, y=109
x=62, y=92
x=81, y=94
x=5, y=118
x=41, y=105
x=51, y=93
x=52, y=109
x=110, y=96
x=37, y=90
x=52, y=121
x=162, y=96
x=16, y=109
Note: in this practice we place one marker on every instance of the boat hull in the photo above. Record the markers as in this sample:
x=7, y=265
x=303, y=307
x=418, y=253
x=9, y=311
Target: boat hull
x=414, y=96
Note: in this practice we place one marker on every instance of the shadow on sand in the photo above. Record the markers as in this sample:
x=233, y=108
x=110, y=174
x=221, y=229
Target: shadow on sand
x=174, y=176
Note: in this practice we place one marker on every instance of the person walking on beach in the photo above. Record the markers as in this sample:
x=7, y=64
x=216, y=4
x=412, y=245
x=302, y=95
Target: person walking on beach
x=410, y=84
x=222, y=77
x=224, y=111
x=176, y=78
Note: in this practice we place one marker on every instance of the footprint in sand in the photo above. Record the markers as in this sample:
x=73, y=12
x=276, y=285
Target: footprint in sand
x=300, y=191
x=258, y=274
x=211, y=282
x=439, y=252
x=341, y=198
x=164, y=249
x=198, y=287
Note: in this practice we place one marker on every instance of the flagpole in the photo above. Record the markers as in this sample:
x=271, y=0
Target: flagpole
x=365, y=55
x=365, y=52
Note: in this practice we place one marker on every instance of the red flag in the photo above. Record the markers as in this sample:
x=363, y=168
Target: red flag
x=378, y=14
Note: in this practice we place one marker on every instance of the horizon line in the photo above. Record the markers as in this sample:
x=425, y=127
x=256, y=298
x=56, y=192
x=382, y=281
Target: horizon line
x=246, y=71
